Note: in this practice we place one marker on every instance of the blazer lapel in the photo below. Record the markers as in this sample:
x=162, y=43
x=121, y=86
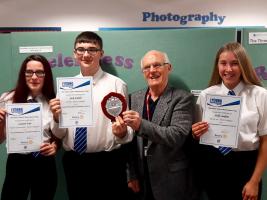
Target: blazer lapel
x=162, y=106
x=138, y=106
x=138, y=102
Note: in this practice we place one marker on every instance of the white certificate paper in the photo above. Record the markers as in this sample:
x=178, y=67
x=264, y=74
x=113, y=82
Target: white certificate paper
x=75, y=96
x=222, y=112
x=24, y=127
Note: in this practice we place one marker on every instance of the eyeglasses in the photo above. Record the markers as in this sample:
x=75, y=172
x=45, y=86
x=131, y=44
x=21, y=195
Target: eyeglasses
x=38, y=73
x=155, y=66
x=91, y=51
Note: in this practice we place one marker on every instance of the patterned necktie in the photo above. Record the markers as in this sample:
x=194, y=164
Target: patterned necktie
x=80, y=141
x=36, y=153
x=226, y=150
x=231, y=92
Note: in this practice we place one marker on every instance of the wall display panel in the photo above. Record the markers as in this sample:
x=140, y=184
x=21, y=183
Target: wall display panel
x=255, y=42
x=191, y=52
x=5, y=62
x=6, y=84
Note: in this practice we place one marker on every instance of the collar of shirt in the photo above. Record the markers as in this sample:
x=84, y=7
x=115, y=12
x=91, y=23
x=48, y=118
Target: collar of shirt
x=96, y=77
x=39, y=98
x=237, y=89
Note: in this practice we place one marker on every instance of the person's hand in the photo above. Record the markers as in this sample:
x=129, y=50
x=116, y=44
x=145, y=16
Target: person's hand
x=250, y=191
x=132, y=119
x=2, y=125
x=119, y=128
x=134, y=185
x=48, y=149
x=2, y=116
x=55, y=108
x=199, y=129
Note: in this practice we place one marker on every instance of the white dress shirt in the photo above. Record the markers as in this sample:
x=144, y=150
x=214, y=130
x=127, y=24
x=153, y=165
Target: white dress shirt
x=253, y=116
x=100, y=136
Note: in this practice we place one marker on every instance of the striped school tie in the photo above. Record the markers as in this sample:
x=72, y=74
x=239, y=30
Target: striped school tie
x=226, y=150
x=80, y=141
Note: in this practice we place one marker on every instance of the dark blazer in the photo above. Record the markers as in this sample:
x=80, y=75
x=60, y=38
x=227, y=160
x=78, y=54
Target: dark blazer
x=168, y=163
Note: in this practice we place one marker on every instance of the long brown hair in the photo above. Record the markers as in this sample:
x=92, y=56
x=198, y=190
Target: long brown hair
x=22, y=90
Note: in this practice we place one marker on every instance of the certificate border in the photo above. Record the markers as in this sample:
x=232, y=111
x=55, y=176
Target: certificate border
x=41, y=126
x=58, y=96
x=237, y=127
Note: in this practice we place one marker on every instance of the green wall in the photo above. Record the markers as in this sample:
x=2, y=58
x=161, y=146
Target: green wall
x=190, y=51
x=6, y=84
x=257, y=52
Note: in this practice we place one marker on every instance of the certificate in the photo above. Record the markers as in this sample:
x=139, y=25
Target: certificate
x=75, y=96
x=222, y=112
x=24, y=127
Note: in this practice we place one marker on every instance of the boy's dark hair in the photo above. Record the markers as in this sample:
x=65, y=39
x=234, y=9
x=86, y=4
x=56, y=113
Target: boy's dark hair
x=89, y=37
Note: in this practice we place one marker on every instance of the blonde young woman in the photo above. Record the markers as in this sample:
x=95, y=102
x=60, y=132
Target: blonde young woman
x=236, y=174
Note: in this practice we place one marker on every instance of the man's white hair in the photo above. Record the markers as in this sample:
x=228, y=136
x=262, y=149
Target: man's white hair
x=165, y=56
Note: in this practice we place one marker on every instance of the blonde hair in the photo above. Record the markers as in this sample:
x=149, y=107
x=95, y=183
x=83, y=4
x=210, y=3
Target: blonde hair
x=248, y=74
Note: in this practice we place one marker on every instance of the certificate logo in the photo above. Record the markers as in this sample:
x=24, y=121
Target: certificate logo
x=68, y=84
x=16, y=110
x=216, y=101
